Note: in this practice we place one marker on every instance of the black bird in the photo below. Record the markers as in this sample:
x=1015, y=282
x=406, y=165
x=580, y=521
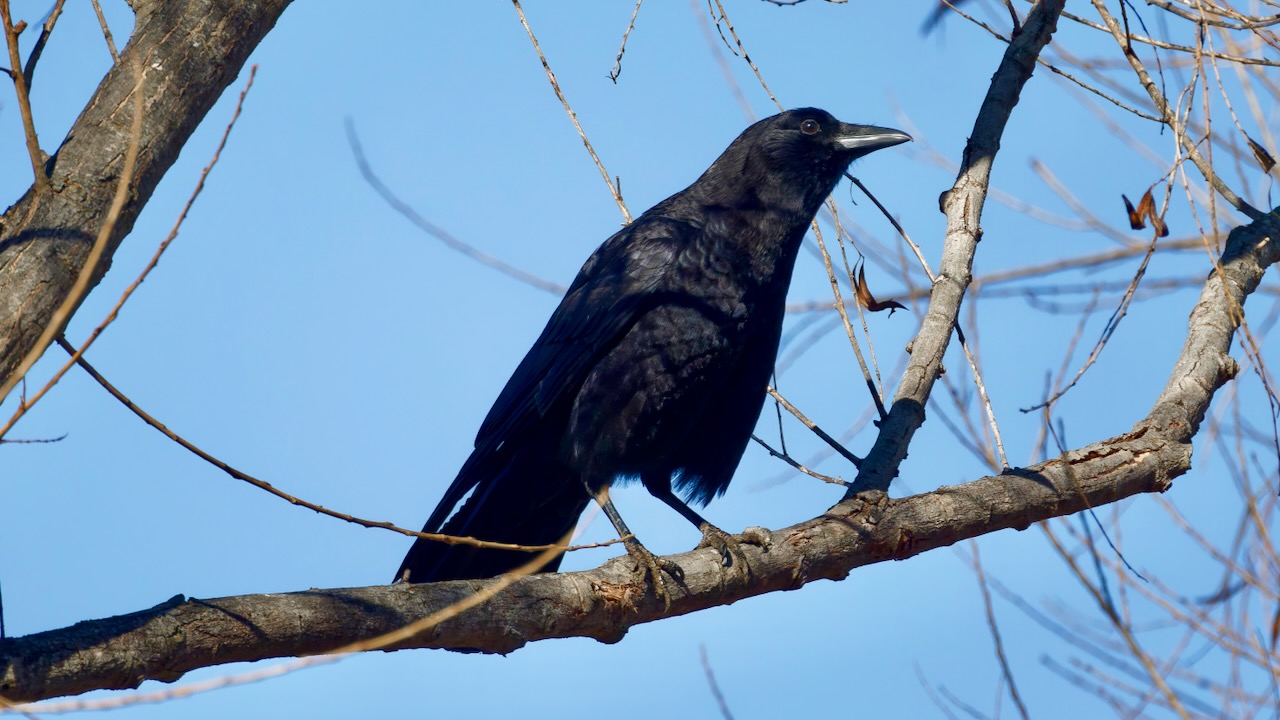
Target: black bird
x=655, y=364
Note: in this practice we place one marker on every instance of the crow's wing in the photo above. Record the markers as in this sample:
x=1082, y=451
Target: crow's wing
x=613, y=289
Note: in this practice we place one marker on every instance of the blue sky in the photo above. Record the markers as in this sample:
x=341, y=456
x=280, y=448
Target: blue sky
x=303, y=331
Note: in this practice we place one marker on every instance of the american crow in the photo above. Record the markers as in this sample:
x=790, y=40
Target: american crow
x=655, y=364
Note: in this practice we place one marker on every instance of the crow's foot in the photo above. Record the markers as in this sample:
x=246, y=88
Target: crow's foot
x=730, y=546
x=651, y=567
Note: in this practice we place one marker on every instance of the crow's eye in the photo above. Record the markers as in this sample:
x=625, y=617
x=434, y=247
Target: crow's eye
x=810, y=127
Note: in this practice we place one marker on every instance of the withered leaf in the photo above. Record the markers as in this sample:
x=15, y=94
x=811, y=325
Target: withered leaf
x=1260, y=153
x=1145, y=211
x=1135, y=217
x=867, y=300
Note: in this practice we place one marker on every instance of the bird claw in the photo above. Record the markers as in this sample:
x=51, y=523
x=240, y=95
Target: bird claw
x=730, y=546
x=652, y=567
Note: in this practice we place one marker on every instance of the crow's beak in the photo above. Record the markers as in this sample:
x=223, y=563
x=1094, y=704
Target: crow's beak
x=867, y=138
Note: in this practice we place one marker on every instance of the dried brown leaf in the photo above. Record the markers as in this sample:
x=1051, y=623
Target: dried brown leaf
x=867, y=300
x=1260, y=153
x=1145, y=211
x=1135, y=218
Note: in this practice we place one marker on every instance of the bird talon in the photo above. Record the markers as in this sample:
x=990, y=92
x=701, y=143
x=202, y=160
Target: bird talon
x=651, y=567
x=730, y=546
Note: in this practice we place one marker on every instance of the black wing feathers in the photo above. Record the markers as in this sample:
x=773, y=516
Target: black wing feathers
x=654, y=364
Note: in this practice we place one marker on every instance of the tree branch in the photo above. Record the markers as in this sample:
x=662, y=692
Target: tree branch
x=962, y=205
x=180, y=635
x=191, y=49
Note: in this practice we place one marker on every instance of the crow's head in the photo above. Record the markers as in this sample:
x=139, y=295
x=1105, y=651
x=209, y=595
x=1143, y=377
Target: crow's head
x=794, y=159
x=815, y=140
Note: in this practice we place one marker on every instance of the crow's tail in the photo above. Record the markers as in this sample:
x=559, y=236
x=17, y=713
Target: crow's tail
x=524, y=497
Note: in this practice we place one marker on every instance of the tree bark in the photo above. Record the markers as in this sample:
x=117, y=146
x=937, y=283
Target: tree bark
x=189, y=51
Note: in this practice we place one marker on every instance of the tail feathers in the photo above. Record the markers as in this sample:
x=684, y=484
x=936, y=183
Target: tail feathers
x=523, y=499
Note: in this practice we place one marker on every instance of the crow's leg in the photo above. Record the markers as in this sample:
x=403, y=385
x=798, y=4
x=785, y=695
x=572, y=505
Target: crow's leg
x=647, y=564
x=729, y=546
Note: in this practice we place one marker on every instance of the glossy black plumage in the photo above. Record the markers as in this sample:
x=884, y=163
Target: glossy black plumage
x=656, y=361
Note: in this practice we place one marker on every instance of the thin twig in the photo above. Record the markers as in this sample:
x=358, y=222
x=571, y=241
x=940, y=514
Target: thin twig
x=1113, y=322
x=1058, y=437
x=439, y=233
x=617, y=63
x=1055, y=69
x=1165, y=45
x=29, y=128
x=268, y=487
x=743, y=52
x=7, y=705
x=573, y=117
x=930, y=693
x=81, y=286
x=848, y=327
x=1170, y=117
x=106, y=32
x=835, y=445
x=793, y=463
x=857, y=306
x=1125, y=631
x=902, y=233
x=987, y=408
x=30, y=441
x=1038, y=449
x=995, y=632
x=727, y=72
x=711, y=682
x=29, y=72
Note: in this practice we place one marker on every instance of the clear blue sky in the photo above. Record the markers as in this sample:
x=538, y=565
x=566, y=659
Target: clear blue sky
x=303, y=331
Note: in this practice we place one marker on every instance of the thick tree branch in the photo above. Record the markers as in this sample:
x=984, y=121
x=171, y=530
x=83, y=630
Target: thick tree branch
x=168, y=640
x=181, y=635
x=191, y=50
x=962, y=205
x=1205, y=361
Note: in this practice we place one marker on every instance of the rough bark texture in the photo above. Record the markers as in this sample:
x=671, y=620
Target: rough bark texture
x=189, y=51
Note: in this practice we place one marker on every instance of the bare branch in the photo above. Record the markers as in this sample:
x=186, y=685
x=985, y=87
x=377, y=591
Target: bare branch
x=573, y=117
x=439, y=233
x=963, y=206
x=180, y=635
x=45, y=238
x=1170, y=117
x=81, y=286
x=617, y=63
x=37, y=155
x=29, y=72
